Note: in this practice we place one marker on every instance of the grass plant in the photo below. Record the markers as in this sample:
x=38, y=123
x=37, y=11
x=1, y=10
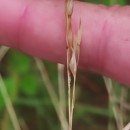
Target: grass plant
x=58, y=102
x=118, y=95
x=73, y=51
x=6, y=98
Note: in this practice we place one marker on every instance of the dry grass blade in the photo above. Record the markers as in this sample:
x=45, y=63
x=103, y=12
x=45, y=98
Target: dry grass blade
x=23, y=124
x=9, y=105
x=52, y=93
x=3, y=51
x=114, y=107
x=61, y=86
x=47, y=82
x=73, y=51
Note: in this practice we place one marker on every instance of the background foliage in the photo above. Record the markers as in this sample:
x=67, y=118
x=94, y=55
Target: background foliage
x=32, y=102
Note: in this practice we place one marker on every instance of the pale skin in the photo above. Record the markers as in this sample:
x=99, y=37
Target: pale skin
x=37, y=27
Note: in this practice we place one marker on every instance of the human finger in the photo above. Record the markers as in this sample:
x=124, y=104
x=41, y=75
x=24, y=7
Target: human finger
x=38, y=28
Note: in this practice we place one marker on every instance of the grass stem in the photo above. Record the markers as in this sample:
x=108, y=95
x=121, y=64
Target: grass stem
x=9, y=105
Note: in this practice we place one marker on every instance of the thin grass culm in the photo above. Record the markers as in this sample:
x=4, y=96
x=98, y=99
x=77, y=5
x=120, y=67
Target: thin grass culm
x=3, y=51
x=61, y=88
x=57, y=103
x=9, y=105
x=117, y=111
x=73, y=51
x=4, y=93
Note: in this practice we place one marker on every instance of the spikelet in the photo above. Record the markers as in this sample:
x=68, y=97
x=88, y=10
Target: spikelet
x=73, y=51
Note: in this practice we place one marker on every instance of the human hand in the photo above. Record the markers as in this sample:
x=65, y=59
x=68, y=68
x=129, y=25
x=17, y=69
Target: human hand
x=38, y=28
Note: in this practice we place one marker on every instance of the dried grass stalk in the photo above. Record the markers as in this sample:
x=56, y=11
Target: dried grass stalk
x=55, y=100
x=3, y=51
x=4, y=93
x=117, y=111
x=9, y=105
x=61, y=88
x=73, y=51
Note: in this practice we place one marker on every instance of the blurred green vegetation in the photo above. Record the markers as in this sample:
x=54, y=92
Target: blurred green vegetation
x=32, y=102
